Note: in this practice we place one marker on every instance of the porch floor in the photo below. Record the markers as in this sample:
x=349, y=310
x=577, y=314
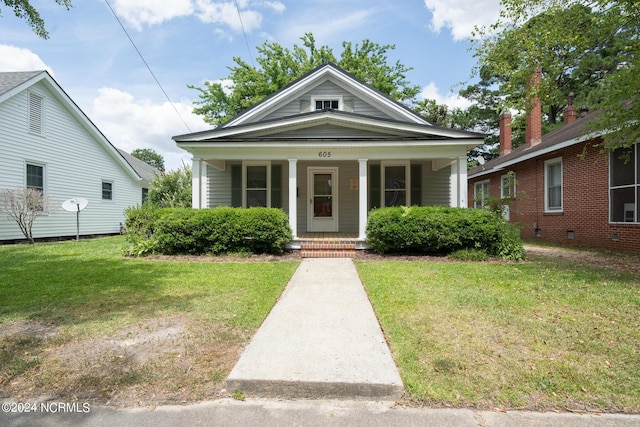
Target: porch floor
x=327, y=237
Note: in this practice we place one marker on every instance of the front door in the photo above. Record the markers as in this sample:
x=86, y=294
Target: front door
x=323, y=200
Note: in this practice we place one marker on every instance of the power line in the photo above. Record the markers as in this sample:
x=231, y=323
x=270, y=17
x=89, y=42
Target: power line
x=147, y=65
x=245, y=34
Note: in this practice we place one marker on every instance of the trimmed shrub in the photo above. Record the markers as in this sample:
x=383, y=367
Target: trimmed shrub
x=209, y=231
x=442, y=230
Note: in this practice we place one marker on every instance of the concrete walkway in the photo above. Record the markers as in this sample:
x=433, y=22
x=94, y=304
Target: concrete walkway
x=321, y=340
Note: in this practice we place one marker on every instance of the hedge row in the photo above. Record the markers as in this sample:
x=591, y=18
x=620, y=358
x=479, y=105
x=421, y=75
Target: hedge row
x=206, y=231
x=442, y=230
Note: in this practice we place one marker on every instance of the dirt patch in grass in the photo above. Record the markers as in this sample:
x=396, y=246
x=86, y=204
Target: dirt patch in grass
x=158, y=361
x=626, y=262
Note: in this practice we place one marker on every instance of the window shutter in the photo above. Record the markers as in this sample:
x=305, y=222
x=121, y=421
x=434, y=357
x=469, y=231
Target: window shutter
x=36, y=116
x=236, y=186
x=305, y=105
x=276, y=186
x=374, y=186
x=416, y=185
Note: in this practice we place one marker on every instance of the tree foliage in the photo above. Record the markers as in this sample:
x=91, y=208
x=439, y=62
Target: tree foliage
x=150, y=157
x=24, y=206
x=589, y=47
x=24, y=10
x=171, y=189
x=279, y=66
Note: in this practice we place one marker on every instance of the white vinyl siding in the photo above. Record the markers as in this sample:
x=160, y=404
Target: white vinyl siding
x=553, y=185
x=76, y=163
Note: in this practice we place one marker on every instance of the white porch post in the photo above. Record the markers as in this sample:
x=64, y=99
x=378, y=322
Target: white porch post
x=363, y=203
x=462, y=182
x=454, y=185
x=196, y=183
x=293, y=196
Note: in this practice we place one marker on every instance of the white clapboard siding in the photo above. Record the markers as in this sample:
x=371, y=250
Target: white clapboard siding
x=75, y=163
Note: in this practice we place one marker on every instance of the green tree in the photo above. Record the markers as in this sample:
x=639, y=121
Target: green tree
x=171, y=189
x=24, y=10
x=279, y=66
x=150, y=157
x=589, y=47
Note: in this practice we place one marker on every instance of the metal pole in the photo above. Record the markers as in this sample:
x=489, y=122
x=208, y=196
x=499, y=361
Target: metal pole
x=78, y=223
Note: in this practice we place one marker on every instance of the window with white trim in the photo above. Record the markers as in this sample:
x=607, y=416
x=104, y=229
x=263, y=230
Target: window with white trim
x=396, y=180
x=35, y=180
x=107, y=190
x=256, y=183
x=36, y=113
x=481, y=193
x=508, y=186
x=553, y=185
x=624, y=184
x=331, y=102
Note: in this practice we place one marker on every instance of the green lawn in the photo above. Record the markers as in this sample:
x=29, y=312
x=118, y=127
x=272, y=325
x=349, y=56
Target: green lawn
x=85, y=290
x=541, y=334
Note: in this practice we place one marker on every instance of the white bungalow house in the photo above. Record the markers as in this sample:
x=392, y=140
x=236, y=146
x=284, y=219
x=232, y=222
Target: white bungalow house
x=48, y=143
x=327, y=149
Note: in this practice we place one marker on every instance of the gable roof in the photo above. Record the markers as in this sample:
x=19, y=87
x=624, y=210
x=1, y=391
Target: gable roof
x=144, y=169
x=565, y=136
x=250, y=122
x=321, y=73
x=14, y=82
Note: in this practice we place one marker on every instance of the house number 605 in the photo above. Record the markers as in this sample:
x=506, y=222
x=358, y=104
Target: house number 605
x=324, y=154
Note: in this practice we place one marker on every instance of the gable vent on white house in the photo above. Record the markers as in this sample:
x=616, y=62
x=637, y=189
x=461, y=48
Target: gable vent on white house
x=36, y=114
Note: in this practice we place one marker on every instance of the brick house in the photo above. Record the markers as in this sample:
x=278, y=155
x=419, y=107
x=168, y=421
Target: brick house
x=560, y=187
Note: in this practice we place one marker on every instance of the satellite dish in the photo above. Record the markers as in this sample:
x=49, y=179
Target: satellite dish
x=481, y=160
x=75, y=205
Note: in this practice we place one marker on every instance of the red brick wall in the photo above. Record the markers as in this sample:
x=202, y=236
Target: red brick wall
x=584, y=197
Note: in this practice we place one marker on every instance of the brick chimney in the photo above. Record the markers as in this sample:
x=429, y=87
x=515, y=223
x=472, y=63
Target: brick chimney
x=533, y=122
x=569, y=115
x=505, y=133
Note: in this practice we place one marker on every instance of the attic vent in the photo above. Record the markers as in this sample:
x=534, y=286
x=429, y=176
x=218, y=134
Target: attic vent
x=305, y=105
x=36, y=114
x=348, y=105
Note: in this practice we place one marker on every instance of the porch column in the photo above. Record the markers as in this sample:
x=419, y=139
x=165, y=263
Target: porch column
x=196, y=183
x=454, y=184
x=293, y=196
x=462, y=182
x=363, y=202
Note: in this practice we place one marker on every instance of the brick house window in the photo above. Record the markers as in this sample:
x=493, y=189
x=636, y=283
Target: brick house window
x=481, y=193
x=624, y=184
x=508, y=186
x=553, y=185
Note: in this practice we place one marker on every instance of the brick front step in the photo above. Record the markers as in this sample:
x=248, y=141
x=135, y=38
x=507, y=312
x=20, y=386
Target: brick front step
x=328, y=250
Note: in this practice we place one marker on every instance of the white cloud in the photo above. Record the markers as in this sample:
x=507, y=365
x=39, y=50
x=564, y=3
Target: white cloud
x=460, y=16
x=226, y=13
x=14, y=58
x=450, y=99
x=151, y=12
x=327, y=25
x=131, y=123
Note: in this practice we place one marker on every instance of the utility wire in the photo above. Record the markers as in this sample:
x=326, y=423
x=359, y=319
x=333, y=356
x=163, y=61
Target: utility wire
x=245, y=34
x=147, y=65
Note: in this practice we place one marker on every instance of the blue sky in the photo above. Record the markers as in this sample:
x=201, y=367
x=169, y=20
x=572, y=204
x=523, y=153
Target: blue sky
x=191, y=41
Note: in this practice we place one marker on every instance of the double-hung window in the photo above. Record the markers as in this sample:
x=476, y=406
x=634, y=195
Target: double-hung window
x=624, y=184
x=553, y=185
x=35, y=181
x=107, y=190
x=257, y=180
x=481, y=193
x=396, y=179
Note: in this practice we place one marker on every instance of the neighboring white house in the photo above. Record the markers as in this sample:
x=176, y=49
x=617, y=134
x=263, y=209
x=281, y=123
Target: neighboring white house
x=327, y=149
x=47, y=142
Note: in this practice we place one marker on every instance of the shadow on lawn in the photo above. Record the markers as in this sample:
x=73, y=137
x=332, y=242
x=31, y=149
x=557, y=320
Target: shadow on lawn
x=70, y=287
